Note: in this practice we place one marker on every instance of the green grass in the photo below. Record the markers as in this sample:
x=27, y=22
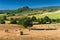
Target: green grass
x=52, y=15
x=2, y=15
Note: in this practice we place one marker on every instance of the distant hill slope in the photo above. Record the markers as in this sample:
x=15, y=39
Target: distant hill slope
x=51, y=7
x=27, y=9
x=5, y=11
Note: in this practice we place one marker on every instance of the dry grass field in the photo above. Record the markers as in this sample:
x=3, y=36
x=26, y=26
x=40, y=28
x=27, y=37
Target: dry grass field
x=14, y=17
x=14, y=33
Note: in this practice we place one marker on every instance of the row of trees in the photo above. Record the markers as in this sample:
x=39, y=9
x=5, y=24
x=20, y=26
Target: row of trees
x=45, y=20
x=28, y=22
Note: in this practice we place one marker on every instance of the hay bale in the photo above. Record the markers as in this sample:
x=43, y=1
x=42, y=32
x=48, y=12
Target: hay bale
x=21, y=32
x=6, y=30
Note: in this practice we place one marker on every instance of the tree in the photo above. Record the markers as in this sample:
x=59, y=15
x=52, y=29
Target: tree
x=53, y=20
x=11, y=14
x=2, y=22
x=4, y=18
x=33, y=18
x=13, y=21
x=21, y=20
x=58, y=20
x=25, y=21
x=42, y=21
x=45, y=20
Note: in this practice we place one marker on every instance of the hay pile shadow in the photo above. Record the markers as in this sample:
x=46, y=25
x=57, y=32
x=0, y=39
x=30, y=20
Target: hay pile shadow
x=43, y=28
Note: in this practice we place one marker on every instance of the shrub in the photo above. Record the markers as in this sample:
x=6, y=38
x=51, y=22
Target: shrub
x=58, y=20
x=10, y=14
x=13, y=21
x=4, y=18
x=2, y=22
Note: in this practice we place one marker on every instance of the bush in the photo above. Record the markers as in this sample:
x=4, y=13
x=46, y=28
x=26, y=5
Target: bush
x=10, y=14
x=58, y=20
x=13, y=21
x=2, y=22
x=4, y=18
x=55, y=20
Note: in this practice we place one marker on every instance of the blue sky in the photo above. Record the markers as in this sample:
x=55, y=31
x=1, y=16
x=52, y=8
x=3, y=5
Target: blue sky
x=14, y=4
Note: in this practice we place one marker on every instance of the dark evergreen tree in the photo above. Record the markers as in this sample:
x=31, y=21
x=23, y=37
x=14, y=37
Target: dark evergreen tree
x=47, y=19
x=33, y=18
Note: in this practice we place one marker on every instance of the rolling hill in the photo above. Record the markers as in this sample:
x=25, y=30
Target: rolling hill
x=52, y=15
x=51, y=11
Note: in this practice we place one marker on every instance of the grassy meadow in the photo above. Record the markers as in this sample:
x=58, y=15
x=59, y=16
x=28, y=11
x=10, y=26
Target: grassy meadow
x=52, y=15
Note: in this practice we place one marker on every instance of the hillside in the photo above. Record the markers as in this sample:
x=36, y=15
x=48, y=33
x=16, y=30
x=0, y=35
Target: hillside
x=27, y=9
x=52, y=15
x=51, y=11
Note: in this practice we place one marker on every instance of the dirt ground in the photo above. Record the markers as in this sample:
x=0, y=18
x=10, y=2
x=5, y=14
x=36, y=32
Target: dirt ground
x=42, y=35
x=14, y=34
x=31, y=35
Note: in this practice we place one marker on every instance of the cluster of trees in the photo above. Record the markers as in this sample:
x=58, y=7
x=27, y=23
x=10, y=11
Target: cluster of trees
x=45, y=20
x=56, y=20
x=28, y=22
x=2, y=19
x=10, y=14
x=13, y=21
x=25, y=21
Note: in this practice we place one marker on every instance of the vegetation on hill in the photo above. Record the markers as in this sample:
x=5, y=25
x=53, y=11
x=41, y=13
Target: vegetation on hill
x=31, y=16
x=26, y=8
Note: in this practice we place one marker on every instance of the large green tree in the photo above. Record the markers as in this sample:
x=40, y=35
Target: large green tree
x=25, y=21
x=45, y=20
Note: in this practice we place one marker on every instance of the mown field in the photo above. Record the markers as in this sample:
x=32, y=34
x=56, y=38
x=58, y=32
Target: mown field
x=14, y=33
